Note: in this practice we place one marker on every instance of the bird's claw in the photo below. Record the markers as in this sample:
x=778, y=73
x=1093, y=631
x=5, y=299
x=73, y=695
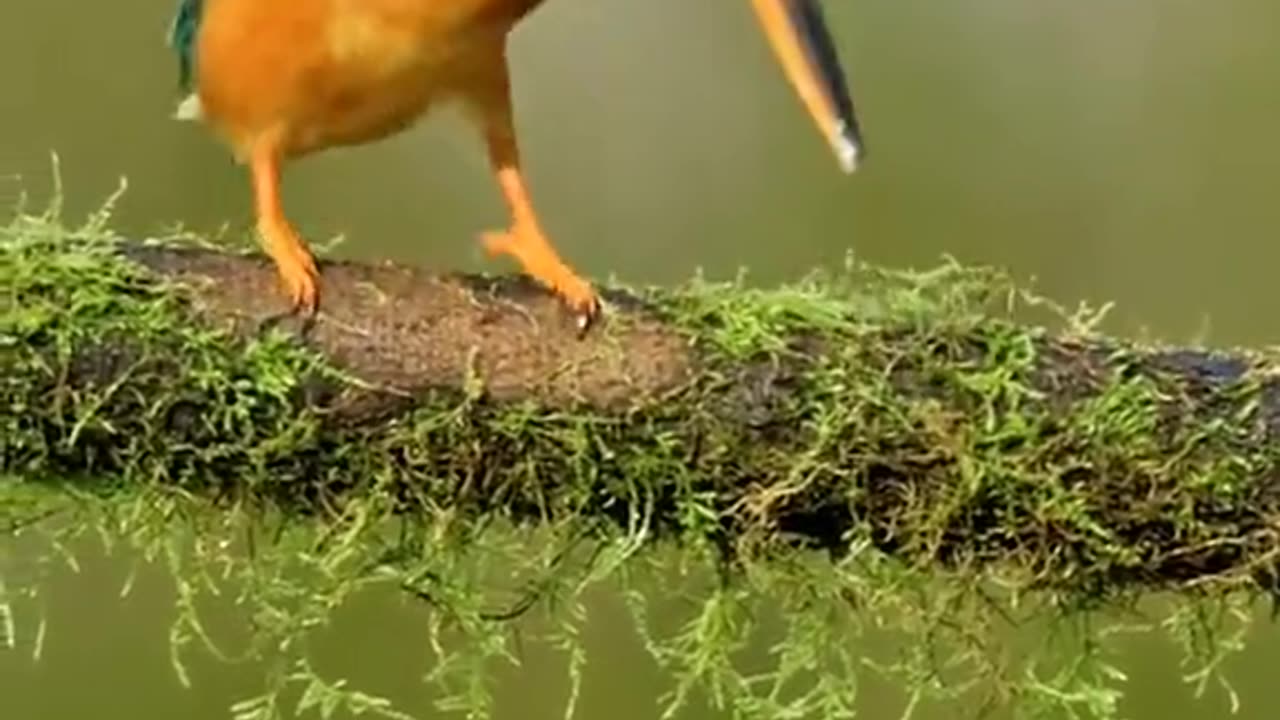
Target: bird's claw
x=575, y=293
x=301, y=285
x=586, y=314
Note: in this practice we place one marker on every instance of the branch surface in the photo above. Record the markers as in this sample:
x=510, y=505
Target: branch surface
x=906, y=414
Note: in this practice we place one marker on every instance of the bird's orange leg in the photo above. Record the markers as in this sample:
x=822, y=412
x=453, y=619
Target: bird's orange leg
x=525, y=240
x=295, y=264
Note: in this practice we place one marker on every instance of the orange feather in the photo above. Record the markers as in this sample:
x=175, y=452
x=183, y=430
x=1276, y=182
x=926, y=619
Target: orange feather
x=338, y=72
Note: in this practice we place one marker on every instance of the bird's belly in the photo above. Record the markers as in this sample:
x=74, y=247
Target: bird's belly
x=346, y=109
x=336, y=78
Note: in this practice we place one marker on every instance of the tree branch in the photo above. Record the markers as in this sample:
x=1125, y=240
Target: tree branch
x=906, y=411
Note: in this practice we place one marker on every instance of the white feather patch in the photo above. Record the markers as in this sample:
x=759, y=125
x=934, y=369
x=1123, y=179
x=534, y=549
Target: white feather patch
x=189, y=108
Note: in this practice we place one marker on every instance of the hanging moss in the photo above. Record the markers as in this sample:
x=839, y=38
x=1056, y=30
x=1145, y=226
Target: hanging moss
x=858, y=449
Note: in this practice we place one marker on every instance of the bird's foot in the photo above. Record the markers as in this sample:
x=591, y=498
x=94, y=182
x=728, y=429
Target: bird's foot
x=540, y=261
x=300, y=279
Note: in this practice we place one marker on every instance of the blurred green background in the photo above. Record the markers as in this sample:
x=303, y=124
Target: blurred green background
x=1119, y=152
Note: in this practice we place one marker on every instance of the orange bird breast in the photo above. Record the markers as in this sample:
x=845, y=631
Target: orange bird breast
x=317, y=73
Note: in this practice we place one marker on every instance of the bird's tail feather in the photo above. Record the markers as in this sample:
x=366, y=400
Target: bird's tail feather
x=182, y=38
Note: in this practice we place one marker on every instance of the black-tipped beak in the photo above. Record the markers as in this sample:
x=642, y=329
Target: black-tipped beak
x=798, y=33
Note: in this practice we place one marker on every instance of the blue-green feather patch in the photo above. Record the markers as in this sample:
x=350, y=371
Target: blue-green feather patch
x=182, y=38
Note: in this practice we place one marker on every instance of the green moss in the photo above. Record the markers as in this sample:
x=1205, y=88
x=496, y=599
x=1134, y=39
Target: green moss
x=863, y=454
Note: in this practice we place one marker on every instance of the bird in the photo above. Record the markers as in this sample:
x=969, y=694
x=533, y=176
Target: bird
x=277, y=80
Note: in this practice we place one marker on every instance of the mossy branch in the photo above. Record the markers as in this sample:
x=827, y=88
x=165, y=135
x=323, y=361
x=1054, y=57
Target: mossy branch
x=915, y=418
x=945, y=438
